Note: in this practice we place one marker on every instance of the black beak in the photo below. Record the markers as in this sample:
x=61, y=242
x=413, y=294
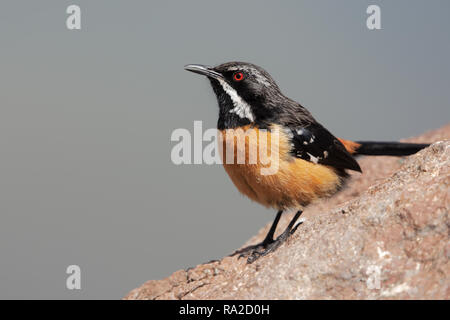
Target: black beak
x=203, y=70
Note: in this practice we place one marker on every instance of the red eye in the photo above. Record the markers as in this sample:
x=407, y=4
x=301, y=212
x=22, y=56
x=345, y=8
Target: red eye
x=238, y=76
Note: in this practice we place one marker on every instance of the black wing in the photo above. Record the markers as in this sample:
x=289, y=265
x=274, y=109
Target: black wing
x=316, y=144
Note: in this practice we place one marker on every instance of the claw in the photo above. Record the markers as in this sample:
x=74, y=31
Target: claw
x=254, y=252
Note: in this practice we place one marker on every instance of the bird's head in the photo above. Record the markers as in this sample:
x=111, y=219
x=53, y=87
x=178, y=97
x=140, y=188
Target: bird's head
x=246, y=93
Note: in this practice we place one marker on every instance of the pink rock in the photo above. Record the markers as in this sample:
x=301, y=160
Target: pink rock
x=383, y=237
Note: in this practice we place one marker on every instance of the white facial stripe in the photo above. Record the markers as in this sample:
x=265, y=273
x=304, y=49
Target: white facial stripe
x=241, y=108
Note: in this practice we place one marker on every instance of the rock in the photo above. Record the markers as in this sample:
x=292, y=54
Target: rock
x=386, y=236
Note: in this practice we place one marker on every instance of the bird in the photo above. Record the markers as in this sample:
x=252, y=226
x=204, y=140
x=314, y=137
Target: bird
x=313, y=163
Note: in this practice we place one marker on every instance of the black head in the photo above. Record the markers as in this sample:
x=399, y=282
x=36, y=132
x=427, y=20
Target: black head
x=246, y=93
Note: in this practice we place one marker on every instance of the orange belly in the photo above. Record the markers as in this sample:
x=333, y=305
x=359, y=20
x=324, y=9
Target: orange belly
x=294, y=183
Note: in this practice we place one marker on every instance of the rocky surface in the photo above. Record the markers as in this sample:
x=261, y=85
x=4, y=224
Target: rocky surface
x=386, y=236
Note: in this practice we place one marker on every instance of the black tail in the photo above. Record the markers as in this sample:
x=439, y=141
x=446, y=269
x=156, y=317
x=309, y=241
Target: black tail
x=388, y=148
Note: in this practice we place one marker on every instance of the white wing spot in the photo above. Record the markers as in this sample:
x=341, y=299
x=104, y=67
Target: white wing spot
x=289, y=133
x=312, y=158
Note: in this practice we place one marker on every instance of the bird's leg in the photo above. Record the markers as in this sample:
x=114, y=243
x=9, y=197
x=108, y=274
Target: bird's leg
x=269, y=237
x=267, y=240
x=269, y=244
x=290, y=229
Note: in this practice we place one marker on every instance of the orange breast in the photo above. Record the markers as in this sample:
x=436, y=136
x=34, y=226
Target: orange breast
x=273, y=177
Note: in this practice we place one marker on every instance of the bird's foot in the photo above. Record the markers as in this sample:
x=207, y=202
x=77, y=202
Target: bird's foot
x=254, y=252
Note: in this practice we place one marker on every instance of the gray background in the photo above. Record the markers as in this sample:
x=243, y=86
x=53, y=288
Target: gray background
x=86, y=118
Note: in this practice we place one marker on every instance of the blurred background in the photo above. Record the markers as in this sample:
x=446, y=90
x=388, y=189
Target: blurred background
x=86, y=118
